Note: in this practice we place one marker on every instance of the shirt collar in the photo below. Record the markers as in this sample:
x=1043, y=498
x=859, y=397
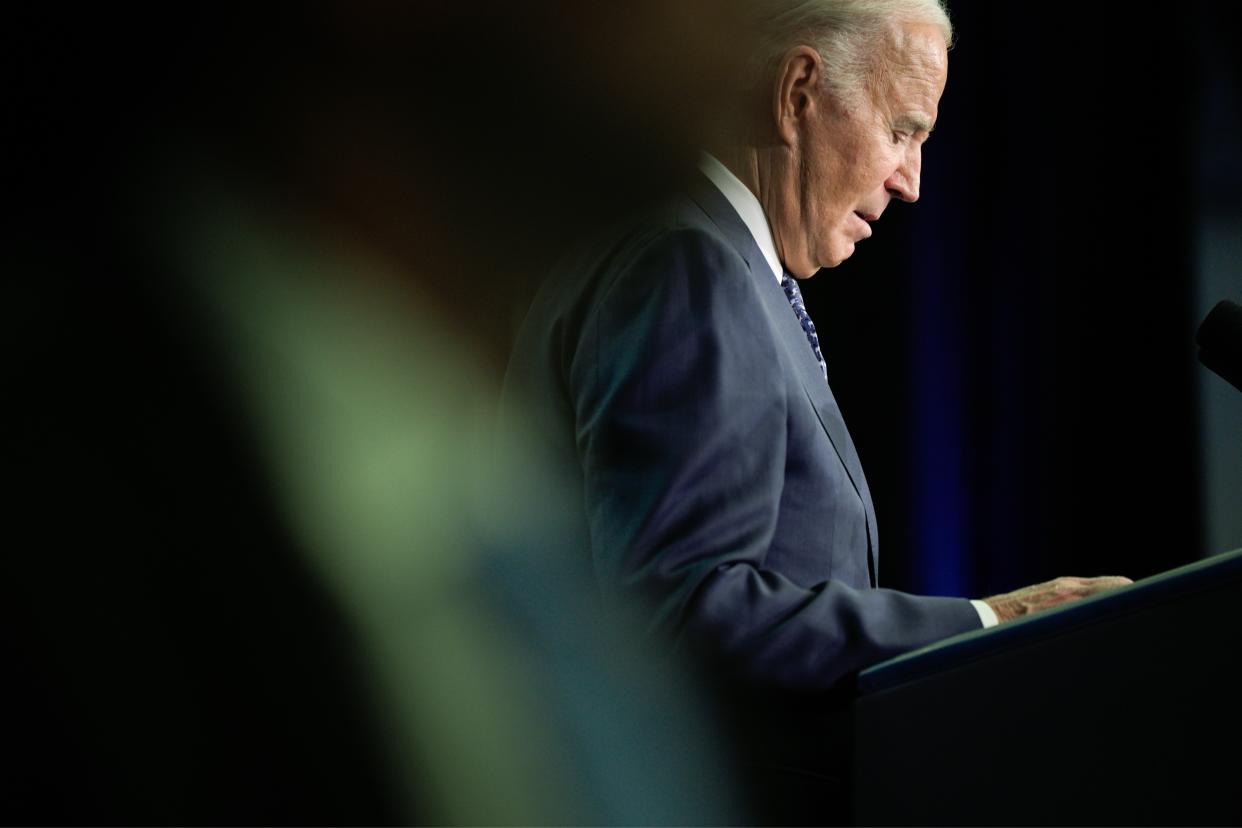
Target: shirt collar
x=742, y=200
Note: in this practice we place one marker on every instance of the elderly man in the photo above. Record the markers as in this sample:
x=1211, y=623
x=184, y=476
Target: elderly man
x=683, y=381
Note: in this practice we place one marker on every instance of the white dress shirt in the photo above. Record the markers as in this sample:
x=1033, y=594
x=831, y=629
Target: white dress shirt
x=748, y=207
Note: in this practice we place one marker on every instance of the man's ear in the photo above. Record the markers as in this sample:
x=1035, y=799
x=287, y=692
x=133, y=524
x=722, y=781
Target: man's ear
x=797, y=88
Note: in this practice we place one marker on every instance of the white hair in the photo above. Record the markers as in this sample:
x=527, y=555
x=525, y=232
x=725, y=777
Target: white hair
x=849, y=35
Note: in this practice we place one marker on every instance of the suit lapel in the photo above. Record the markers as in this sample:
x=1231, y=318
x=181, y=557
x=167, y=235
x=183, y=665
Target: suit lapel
x=783, y=320
x=782, y=317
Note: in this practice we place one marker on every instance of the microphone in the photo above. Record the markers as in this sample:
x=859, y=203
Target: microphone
x=1220, y=342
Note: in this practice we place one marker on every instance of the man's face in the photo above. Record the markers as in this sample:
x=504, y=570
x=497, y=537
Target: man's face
x=856, y=158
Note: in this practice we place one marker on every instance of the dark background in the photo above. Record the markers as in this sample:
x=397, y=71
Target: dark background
x=1014, y=354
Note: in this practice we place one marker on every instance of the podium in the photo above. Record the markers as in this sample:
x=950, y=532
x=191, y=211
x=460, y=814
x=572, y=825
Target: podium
x=1122, y=709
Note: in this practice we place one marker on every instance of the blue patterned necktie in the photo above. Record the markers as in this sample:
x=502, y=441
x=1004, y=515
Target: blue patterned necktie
x=794, y=295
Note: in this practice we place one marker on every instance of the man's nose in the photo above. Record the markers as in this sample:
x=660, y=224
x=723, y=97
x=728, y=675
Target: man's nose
x=904, y=182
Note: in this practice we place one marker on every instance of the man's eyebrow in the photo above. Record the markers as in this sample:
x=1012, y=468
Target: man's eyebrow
x=912, y=122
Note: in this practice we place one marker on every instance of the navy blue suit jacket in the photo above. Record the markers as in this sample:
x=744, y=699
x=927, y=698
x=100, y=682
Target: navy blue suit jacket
x=667, y=369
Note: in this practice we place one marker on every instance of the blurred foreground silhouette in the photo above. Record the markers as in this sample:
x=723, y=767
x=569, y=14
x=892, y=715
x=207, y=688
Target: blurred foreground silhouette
x=261, y=294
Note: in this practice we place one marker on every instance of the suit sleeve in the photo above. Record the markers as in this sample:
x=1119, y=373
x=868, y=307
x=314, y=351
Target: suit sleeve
x=680, y=412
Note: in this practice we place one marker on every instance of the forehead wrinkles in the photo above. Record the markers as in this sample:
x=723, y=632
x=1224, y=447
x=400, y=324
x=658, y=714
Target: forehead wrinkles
x=910, y=47
x=899, y=71
x=907, y=72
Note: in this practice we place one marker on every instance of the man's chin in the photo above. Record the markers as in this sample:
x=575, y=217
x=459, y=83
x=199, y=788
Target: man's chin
x=838, y=256
x=834, y=257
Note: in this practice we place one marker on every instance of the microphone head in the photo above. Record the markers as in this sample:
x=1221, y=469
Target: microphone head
x=1220, y=341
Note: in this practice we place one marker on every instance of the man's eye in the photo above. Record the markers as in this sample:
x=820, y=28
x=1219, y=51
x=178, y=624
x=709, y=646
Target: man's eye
x=900, y=137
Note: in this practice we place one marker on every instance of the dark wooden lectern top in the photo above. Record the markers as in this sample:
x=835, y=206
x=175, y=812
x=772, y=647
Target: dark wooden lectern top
x=1125, y=708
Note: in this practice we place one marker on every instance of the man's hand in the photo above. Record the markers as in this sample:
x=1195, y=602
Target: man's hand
x=1053, y=593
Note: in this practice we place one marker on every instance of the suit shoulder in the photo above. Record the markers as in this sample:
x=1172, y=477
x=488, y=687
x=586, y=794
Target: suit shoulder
x=676, y=241
x=680, y=245
x=669, y=262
